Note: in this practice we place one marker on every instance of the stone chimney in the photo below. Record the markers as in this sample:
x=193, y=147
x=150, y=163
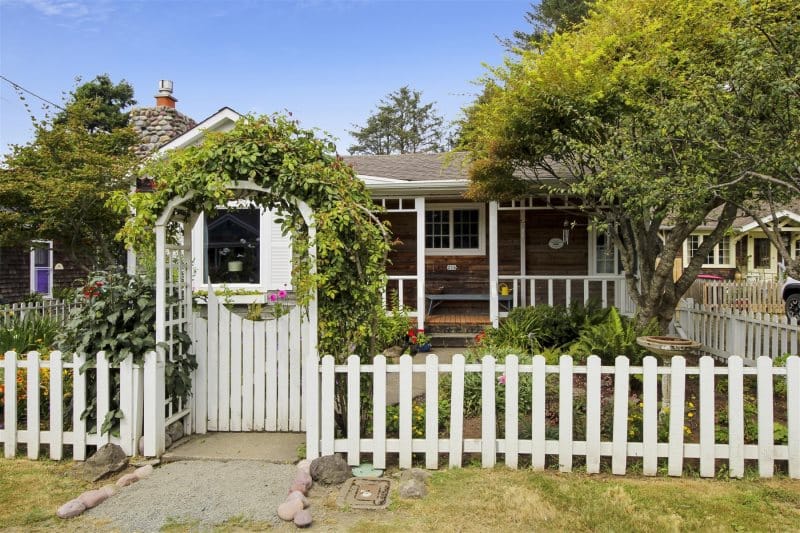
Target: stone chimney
x=160, y=124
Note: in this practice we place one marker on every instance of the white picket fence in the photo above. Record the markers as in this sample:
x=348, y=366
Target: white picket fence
x=58, y=310
x=726, y=332
x=675, y=450
x=58, y=375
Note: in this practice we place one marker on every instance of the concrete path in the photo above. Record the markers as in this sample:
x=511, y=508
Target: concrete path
x=269, y=447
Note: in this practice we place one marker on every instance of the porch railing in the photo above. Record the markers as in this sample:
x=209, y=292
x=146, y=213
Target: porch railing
x=399, y=283
x=563, y=290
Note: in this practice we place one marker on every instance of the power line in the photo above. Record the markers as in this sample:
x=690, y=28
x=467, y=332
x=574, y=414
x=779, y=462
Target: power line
x=21, y=88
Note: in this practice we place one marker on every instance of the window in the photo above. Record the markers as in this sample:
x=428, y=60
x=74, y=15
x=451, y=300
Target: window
x=605, y=255
x=454, y=230
x=233, y=246
x=762, y=253
x=720, y=255
x=42, y=268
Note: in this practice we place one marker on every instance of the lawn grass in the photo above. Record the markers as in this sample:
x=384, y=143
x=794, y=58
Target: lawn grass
x=31, y=491
x=473, y=499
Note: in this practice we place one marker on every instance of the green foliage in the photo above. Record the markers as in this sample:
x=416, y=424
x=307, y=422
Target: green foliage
x=546, y=18
x=30, y=333
x=290, y=162
x=614, y=336
x=393, y=326
x=105, y=102
x=651, y=113
x=119, y=318
x=401, y=124
x=55, y=187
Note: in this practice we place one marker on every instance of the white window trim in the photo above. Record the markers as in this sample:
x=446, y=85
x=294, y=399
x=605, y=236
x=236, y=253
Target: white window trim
x=32, y=287
x=731, y=252
x=593, y=253
x=480, y=250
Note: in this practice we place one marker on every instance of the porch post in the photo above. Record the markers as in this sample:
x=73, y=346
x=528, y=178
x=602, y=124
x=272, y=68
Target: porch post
x=523, y=267
x=154, y=398
x=419, y=205
x=494, y=307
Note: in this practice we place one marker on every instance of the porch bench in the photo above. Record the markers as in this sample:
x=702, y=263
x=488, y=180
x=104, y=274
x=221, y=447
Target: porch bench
x=435, y=300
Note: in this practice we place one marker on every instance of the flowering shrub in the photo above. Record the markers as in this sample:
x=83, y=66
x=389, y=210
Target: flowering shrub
x=21, y=382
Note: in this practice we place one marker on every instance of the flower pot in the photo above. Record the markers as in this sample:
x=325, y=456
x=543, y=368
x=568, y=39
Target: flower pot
x=235, y=266
x=424, y=347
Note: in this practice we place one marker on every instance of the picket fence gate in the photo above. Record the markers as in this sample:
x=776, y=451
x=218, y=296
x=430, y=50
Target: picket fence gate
x=729, y=331
x=250, y=374
x=58, y=373
x=538, y=447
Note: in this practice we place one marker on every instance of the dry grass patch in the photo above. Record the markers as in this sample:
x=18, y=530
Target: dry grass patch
x=491, y=500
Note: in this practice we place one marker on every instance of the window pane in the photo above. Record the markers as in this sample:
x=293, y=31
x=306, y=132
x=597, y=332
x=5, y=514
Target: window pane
x=437, y=229
x=761, y=253
x=466, y=228
x=724, y=251
x=605, y=255
x=694, y=244
x=233, y=246
x=41, y=257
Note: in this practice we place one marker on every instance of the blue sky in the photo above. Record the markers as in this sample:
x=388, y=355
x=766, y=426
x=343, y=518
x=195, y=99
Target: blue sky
x=326, y=61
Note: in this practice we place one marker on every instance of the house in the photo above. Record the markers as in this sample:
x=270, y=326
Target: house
x=45, y=267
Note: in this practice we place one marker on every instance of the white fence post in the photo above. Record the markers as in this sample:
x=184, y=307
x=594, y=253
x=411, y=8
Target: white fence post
x=10, y=408
x=353, y=410
x=793, y=414
x=33, y=422
x=766, y=436
x=432, y=412
x=488, y=413
x=78, y=406
x=565, y=414
x=619, y=453
x=154, y=419
x=56, y=406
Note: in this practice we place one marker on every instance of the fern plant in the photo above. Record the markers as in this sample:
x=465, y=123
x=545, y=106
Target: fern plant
x=614, y=336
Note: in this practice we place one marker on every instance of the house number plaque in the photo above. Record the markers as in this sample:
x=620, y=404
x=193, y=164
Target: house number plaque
x=555, y=243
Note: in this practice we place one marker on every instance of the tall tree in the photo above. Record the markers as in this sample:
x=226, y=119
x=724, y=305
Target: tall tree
x=546, y=18
x=401, y=124
x=629, y=114
x=55, y=187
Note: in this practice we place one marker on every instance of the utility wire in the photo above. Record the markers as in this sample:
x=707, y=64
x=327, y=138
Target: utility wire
x=21, y=88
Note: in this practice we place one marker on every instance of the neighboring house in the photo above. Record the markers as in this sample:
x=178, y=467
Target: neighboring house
x=44, y=267
x=746, y=251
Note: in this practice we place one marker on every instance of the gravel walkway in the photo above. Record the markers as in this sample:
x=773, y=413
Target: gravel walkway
x=206, y=491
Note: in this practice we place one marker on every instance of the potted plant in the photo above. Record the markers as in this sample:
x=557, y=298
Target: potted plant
x=417, y=341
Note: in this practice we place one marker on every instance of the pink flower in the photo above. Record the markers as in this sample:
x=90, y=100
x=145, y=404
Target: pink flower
x=273, y=297
x=281, y=294
x=502, y=379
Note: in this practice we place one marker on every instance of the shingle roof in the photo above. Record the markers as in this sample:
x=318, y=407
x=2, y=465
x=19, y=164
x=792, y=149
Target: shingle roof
x=412, y=167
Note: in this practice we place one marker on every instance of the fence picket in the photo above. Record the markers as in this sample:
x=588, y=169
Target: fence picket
x=33, y=422
x=102, y=395
x=707, y=408
x=735, y=416
x=650, y=416
x=432, y=412
x=619, y=448
x=565, y=402
x=212, y=372
x=126, y=386
x=793, y=414
x=512, y=411
x=593, y=401
x=677, y=383
x=78, y=405
x=295, y=360
x=224, y=410
x=457, y=411
x=488, y=413
x=259, y=375
x=283, y=372
x=236, y=377
x=248, y=375
x=56, y=406
x=405, y=382
x=200, y=381
x=272, y=378
x=379, y=414
x=766, y=437
x=538, y=421
x=353, y=410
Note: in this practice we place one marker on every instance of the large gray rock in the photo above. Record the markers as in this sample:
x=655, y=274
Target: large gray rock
x=330, y=470
x=413, y=483
x=106, y=460
x=175, y=430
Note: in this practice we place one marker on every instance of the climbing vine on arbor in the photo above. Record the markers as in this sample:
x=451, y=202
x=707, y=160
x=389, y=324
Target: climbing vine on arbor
x=273, y=152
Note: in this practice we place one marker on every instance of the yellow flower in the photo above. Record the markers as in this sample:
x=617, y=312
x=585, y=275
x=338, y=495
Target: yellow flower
x=690, y=415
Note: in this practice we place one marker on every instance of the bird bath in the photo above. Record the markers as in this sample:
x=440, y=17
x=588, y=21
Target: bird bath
x=665, y=348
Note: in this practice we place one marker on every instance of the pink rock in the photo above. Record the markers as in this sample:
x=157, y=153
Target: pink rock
x=143, y=471
x=302, y=477
x=110, y=490
x=93, y=498
x=71, y=509
x=305, y=466
x=303, y=518
x=299, y=487
x=127, y=479
x=297, y=495
x=289, y=508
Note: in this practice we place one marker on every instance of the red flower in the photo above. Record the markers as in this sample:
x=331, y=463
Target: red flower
x=413, y=340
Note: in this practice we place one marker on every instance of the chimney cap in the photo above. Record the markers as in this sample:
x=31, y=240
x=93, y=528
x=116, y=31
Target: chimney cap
x=165, y=87
x=164, y=96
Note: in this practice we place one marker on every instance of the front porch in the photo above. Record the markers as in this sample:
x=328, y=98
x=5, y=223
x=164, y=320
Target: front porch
x=467, y=264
